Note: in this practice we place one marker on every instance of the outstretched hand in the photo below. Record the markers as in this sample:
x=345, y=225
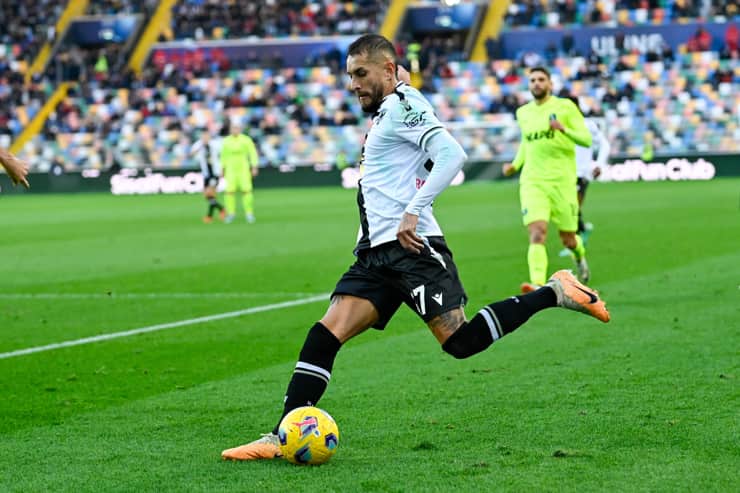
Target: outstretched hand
x=17, y=169
x=407, y=233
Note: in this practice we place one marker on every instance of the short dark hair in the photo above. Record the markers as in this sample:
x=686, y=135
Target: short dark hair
x=540, y=69
x=372, y=44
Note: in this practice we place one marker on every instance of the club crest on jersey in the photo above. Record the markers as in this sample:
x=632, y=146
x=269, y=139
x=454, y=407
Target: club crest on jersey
x=414, y=118
x=307, y=426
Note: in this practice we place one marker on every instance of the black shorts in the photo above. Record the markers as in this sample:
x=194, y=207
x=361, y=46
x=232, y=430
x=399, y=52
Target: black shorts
x=581, y=186
x=388, y=275
x=210, y=181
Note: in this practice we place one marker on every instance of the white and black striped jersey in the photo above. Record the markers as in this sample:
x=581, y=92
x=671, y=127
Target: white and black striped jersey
x=585, y=163
x=395, y=165
x=207, y=157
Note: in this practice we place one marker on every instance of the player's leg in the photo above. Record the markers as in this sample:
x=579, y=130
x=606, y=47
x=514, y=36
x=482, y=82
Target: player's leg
x=230, y=198
x=436, y=294
x=360, y=300
x=584, y=228
x=536, y=255
x=346, y=317
x=535, y=215
x=209, y=192
x=565, y=216
x=463, y=339
x=248, y=198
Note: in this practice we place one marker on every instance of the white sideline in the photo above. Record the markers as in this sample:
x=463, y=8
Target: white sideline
x=135, y=296
x=170, y=325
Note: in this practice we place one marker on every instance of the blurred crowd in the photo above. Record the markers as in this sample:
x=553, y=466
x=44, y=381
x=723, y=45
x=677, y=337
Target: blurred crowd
x=219, y=19
x=556, y=13
x=682, y=101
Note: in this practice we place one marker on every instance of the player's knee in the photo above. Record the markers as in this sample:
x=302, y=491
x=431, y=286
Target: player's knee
x=537, y=236
x=569, y=240
x=458, y=345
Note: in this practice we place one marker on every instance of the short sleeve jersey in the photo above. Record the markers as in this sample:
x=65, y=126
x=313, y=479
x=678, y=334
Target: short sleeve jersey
x=395, y=166
x=549, y=155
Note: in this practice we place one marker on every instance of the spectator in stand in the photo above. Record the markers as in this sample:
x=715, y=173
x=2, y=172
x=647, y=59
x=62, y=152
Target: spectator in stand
x=732, y=42
x=700, y=41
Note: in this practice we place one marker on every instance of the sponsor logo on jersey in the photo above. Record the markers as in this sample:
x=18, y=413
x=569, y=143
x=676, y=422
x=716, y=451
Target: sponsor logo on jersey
x=414, y=118
x=541, y=134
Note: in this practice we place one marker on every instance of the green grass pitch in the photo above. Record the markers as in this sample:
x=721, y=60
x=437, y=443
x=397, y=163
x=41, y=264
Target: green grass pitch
x=649, y=402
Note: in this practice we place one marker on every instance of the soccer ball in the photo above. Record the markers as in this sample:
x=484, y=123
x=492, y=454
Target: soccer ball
x=308, y=435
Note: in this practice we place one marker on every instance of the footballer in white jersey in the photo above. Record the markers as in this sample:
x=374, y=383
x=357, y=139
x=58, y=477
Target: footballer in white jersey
x=402, y=257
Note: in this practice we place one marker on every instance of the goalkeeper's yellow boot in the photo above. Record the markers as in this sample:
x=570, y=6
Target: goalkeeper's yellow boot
x=266, y=447
x=573, y=295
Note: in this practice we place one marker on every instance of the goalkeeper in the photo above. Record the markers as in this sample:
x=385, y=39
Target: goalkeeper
x=239, y=164
x=551, y=128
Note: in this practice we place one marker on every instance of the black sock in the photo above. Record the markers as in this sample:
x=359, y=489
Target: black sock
x=581, y=225
x=213, y=205
x=496, y=320
x=313, y=370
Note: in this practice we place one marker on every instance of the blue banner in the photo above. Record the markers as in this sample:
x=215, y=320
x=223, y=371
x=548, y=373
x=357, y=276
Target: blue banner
x=460, y=17
x=604, y=40
x=102, y=29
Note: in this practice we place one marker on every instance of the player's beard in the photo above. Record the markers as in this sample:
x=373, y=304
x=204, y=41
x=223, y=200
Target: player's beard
x=539, y=94
x=376, y=99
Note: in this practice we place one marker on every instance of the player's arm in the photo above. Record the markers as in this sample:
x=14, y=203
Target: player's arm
x=604, y=150
x=572, y=124
x=17, y=169
x=252, y=156
x=515, y=166
x=449, y=157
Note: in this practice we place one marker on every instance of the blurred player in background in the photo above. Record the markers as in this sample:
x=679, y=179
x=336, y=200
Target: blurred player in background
x=551, y=128
x=206, y=152
x=239, y=162
x=587, y=169
x=401, y=253
x=17, y=169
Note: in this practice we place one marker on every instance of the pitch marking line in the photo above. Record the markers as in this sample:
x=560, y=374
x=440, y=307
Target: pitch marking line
x=135, y=296
x=155, y=328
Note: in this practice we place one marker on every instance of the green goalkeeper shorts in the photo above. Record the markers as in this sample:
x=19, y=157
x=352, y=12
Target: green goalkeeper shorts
x=556, y=202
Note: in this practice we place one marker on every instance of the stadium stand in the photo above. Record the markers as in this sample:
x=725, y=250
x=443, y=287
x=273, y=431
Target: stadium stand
x=689, y=100
x=216, y=19
x=543, y=13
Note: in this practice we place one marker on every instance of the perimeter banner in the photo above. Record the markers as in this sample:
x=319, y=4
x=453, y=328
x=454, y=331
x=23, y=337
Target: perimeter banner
x=605, y=40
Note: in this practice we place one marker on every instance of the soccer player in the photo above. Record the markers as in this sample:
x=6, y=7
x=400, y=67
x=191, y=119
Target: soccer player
x=17, y=169
x=402, y=256
x=588, y=169
x=206, y=152
x=551, y=128
x=239, y=163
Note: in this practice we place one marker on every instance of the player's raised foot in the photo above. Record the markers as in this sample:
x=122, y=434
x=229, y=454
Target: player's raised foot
x=222, y=214
x=207, y=219
x=251, y=219
x=584, y=274
x=267, y=447
x=528, y=287
x=573, y=295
